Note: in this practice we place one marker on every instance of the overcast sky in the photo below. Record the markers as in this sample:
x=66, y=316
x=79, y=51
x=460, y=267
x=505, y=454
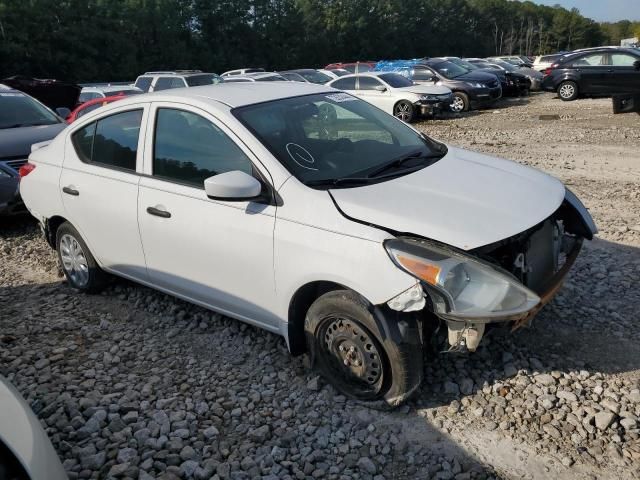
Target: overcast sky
x=601, y=10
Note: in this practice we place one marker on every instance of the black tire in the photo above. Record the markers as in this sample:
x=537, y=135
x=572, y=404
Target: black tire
x=84, y=275
x=568, y=91
x=404, y=111
x=460, y=102
x=345, y=345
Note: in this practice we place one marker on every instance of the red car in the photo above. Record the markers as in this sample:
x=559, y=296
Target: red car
x=91, y=105
x=351, y=66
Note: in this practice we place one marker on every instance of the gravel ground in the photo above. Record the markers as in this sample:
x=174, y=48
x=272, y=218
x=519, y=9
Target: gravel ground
x=135, y=384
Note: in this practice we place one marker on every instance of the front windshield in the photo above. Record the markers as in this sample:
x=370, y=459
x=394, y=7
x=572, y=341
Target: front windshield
x=19, y=110
x=506, y=65
x=314, y=76
x=449, y=69
x=205, y=79
x=396, y=80
x=333, y=136
x=463, y=63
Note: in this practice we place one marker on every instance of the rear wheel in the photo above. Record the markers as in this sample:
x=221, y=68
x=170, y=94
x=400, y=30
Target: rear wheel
x=404, y=111
x=348, y=350
x=460, y=102
x=568, y=91
x=78, y=264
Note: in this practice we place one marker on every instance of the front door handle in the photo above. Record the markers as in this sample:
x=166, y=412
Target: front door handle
x=70, y=191
x=158, y=213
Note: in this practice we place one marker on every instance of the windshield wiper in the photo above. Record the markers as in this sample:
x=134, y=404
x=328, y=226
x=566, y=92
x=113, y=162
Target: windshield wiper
x=399, y=161
x=336, y=182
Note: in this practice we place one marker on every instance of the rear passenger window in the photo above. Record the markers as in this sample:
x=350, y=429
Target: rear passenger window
x=345, y=83
x=189, y=149
x=111, y=141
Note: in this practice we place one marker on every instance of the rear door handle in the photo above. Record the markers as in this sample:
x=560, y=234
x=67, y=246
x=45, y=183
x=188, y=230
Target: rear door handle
x=158, y=213
x=70, y=191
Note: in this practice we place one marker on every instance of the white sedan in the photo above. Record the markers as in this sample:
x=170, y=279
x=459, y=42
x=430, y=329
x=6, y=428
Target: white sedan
x=396, y=94
x=310, y=213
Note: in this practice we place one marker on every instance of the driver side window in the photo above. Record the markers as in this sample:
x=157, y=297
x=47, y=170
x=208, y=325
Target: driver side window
x=188, y=149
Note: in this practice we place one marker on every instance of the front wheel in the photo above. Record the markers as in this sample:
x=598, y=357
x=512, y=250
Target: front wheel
x=349, y=351
x=404, y=111
x=78, y=264
x=460, y=102
x=568, y=91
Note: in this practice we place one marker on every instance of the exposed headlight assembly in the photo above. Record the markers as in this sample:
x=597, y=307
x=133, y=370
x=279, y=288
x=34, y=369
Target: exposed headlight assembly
x=462, y=287
x=428, y=97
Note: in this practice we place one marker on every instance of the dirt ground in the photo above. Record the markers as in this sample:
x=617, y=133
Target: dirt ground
x=135, y=384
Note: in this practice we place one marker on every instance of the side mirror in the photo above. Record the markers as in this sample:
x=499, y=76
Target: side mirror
x=63, y=112
x=381, y=88
x=234, y=186
x=636, y=64
x=433, y=79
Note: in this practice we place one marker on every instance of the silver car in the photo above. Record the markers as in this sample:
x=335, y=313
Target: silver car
x=25, y=450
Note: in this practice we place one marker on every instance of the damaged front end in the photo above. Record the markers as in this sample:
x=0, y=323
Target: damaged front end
x=506, y=281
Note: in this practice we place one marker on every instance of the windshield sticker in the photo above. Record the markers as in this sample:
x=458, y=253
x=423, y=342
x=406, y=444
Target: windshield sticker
x=340, y=97
x=301, y=156
x=12, y=94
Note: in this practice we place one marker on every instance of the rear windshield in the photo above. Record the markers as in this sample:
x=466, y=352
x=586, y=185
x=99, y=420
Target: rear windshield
x=19, y=110
x=143, y=83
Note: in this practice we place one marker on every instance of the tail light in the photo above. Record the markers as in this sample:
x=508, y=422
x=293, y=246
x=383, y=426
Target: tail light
x=26, y=169
x=548, y=70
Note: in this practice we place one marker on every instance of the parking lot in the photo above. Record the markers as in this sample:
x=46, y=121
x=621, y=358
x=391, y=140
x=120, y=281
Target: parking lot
x=136, y=384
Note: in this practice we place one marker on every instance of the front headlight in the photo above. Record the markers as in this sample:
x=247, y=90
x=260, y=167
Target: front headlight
x=461, y=286
x=476, y=84
x=428, y=97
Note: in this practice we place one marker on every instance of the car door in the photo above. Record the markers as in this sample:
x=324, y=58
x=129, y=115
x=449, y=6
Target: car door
x=370, y=90
x=594, y=73
x=215, y=253
x=99, y=187
x=626, y=73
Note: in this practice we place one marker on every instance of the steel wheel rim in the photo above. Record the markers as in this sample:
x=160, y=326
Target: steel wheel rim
x=352, y=355
x=74, y=261
x=403, y=111
x=457, y=105
x=567, y=91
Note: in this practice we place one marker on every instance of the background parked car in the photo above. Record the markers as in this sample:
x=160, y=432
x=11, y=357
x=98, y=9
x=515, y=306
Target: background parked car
x=542, y=62
x=241, y=71
x=54, y=94
x=92, y=105
x=26, y=452
x=308, y=75
x=395, y=94
x=470, y=89
x=353, y=67
x=90, y=93
x=517, y=60
x=156, y=81
x=594, y=72
x=513, y=83
x=23, y=122
x=533, y=75
x=256, y=77
x=335, y=73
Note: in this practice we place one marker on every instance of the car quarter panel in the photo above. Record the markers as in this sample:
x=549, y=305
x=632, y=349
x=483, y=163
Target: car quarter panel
x=40, y=190
x=315, y=242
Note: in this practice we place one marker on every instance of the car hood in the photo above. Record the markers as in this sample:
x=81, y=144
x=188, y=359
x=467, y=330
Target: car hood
x=426, y=89
x=16, y=142
x=465, y=199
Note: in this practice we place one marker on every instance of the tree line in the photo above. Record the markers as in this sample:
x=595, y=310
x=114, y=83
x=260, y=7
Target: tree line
x=99, y=40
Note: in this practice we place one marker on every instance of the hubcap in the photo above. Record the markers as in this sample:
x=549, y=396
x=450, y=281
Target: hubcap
x=403, y=111
x=353, y=353
x=566, y=91
x=73, y=260
x=457, y=105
